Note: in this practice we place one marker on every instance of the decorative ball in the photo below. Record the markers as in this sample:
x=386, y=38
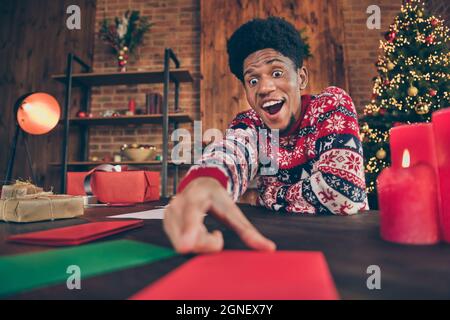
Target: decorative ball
x=81, y=114
x=434, y=22
x=382, y=112
x=432, y=92
x=90, y=115
x=386, y=82
x=390, y=66
x=422, y=108
x=365, y=127
x=430, y=39
x=413, y=91
x=120, y=57
x=125, y=49
x=420, y=13
x=381, y=154
x=390, y=37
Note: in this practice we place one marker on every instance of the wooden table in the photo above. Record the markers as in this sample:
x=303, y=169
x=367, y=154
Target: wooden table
x=350, y=244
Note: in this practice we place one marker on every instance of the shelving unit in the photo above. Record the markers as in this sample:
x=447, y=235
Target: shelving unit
x=87, y=79
x=125, y=120
x=96, y=163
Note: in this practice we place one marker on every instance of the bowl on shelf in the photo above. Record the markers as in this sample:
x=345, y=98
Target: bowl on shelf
x=139, y=153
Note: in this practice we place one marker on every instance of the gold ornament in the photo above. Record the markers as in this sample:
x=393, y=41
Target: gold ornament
x=422, y=108
x=365, y=127
x=390, y=66
x=419, y=14
x=413, y=91
x=381, y=154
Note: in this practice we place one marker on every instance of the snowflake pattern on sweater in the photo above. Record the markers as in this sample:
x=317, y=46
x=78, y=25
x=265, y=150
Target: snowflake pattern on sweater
x=320, y=162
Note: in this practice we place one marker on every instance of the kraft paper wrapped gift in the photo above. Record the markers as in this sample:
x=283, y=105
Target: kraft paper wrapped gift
x=39, y=206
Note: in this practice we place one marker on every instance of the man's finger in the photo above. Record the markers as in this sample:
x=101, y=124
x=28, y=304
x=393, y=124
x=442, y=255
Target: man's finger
x=192, y=225
x=209, y=242
x=229, y=213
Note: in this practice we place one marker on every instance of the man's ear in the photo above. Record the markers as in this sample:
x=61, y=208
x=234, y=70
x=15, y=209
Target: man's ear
x=302, y=74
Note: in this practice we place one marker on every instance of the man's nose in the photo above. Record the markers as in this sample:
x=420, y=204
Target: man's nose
x=266, y=86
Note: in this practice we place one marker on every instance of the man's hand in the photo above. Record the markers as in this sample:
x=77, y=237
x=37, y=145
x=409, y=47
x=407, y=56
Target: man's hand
x=183, y=219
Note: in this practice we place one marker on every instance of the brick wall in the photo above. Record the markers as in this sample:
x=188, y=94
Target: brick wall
x=361, y=44
x=176, y=25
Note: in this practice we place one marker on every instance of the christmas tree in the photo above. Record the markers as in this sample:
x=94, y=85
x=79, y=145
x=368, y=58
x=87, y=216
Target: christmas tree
x=413, y=82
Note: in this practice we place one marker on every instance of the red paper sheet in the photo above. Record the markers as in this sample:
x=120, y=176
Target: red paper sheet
x=75, y=235
x=247, y=275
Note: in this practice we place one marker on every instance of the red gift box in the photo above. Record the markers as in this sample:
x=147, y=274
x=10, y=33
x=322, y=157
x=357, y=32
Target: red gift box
x=117, y=187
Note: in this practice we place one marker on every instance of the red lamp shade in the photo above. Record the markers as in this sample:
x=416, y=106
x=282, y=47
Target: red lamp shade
x=38, y=113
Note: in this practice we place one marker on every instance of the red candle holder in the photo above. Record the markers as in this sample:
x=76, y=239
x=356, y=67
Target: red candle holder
x=408, y=203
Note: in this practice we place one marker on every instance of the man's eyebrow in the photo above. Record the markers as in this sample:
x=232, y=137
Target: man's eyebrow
x=267, y=62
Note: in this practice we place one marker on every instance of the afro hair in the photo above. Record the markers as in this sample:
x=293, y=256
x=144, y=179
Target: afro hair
x=257, y=34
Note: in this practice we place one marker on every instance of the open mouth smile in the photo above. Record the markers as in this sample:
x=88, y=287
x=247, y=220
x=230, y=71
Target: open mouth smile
x=273, y=106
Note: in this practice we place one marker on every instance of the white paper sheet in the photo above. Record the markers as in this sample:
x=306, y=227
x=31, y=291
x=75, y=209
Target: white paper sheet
x=149, y=214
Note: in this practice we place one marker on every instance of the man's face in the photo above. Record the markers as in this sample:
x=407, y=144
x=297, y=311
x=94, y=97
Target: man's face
x=273, y=87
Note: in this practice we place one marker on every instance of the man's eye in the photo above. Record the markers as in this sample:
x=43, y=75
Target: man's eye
x=253, y=81
x=277, y=74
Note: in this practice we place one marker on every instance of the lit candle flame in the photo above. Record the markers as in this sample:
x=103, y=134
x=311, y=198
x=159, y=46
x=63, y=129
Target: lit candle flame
x=406, y=159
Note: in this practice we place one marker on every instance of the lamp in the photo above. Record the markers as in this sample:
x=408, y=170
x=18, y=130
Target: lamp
x=36, y=113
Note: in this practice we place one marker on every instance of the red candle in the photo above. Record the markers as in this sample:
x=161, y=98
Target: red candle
x=418, y=139
x=408, y=203
x=441, y=125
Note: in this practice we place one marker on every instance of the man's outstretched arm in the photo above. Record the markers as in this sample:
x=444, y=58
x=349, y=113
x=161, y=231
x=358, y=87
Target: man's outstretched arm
x=213, y=186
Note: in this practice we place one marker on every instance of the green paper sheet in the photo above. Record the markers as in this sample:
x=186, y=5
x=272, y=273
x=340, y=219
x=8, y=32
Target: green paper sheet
x=23, y=272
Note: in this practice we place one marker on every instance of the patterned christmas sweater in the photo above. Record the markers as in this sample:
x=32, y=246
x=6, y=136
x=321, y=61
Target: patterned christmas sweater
x=320, y=161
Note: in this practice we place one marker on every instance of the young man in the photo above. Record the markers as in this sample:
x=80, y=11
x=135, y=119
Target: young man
x=319, y=159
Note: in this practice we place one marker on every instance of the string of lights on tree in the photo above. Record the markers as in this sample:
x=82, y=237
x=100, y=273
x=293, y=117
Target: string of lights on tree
x=413, y=82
